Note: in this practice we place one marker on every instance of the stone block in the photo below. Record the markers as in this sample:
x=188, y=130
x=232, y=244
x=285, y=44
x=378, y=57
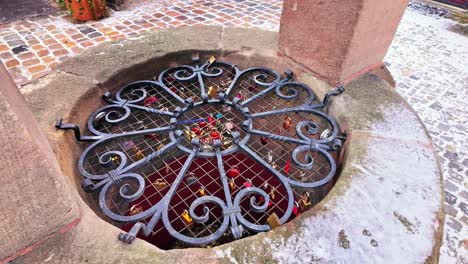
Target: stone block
x=36, y=200
x=339, y=39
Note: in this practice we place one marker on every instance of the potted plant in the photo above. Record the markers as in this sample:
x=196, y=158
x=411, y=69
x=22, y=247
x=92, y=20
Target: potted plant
x=84, y=10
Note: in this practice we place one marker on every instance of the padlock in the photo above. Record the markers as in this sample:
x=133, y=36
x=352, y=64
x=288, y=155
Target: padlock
x=232, y=184
x=136, y=209
x=202, y=191
x=115, y=159
x=306, y=199
x=287, y=166
x=212, y=92
x=202, y=124
x=138, y=153
x=263, y=140
x=234, y=172
x=167, y=168
x=159, y=184
x=227, y=143
x=273, y=221
x=229, y=126
x=303, y=177
x=210, y=120
x=272, y=193
x=215, y=135
x=150, y=101
x=226, y=108
x=189, y=135
x=239, y=95
x=187, y=219
x=274, y=165
x=196, y=130
x=159, y=146
x=211, y=60
x=127, y=145
x=269, y=157
x=248, y=183
x=191, y=179
x=287, y=122
x=295, y=209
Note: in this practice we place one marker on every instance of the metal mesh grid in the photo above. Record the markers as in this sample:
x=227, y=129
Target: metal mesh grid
x=203, y=176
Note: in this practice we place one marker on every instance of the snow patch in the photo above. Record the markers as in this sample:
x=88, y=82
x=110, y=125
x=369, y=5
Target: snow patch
x=394, y=187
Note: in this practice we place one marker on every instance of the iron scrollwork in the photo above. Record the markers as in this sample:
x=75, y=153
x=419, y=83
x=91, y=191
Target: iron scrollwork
x=122, y=175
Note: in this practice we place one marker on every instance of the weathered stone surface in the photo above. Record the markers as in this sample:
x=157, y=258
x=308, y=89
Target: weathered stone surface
x=390, y=184
x=367, y=102
x=103, y=62
x=338, y=39
x=36, y=199
x=239, y=38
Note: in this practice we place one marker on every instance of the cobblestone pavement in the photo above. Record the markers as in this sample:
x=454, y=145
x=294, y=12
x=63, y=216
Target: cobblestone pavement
x=427, y=59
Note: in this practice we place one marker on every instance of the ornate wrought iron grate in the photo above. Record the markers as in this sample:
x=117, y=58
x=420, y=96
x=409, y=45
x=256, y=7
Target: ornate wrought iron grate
x=208, y=153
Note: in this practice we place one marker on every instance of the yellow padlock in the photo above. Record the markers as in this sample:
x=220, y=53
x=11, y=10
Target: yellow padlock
x=232, y=184
x=136, y=209
x=212, y=91
x=187, y=219
x=138, y=153
x=211, y=60
x=167, y=168
x=273, y=221
x=159, y=184
x=202, y=191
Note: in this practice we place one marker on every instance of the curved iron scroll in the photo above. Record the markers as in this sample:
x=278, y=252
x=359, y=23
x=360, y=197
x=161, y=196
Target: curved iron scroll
x=121, y=173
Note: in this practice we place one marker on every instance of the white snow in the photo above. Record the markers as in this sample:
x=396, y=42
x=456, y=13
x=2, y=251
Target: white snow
x=395, y=179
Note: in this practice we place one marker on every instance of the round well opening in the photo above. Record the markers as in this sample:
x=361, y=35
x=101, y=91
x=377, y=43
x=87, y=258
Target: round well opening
x=208, y=153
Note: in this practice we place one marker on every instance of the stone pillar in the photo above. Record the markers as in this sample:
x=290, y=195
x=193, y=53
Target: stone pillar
x=35, y=199
x=339, y=40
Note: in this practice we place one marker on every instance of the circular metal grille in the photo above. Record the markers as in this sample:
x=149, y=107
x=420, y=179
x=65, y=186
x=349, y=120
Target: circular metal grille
x=207, y=153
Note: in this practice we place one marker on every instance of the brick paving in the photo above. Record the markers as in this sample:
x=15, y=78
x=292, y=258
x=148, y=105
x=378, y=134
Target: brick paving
x=33, y=47
x=427, y=59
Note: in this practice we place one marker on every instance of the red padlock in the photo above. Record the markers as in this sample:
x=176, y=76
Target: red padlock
x=233, y=173
x=173, y=89
x=214, y=135
x=287, y=166
x=295, y=211
x=196, y=130
x=210, y=120
x=264, y=140
x=202, y=124
x=150, y=100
